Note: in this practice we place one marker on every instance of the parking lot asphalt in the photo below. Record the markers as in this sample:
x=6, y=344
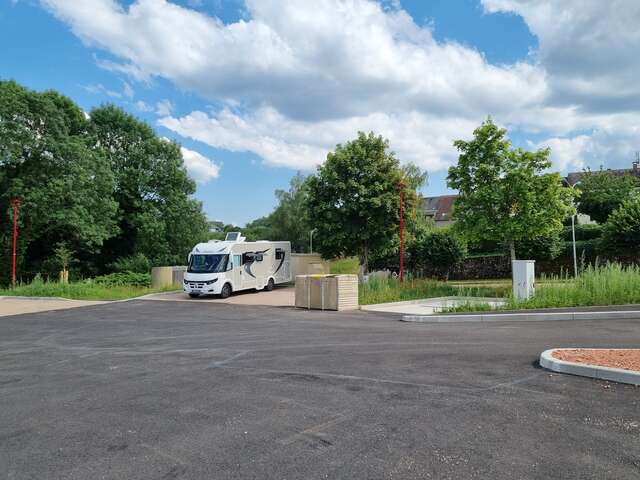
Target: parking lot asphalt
x=173, y=390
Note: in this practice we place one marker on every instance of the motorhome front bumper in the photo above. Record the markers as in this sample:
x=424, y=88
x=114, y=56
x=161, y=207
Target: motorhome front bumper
x=200, y=286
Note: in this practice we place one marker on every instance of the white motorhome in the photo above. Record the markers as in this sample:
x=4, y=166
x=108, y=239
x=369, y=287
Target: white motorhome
x=222, y=267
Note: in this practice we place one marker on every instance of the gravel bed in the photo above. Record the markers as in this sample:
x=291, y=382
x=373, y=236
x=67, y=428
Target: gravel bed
x=626, y=359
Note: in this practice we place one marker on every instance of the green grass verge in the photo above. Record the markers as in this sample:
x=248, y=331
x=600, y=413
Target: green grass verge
x=610, y=284
x=85, y=290
x=342, y=266
x=390, y=290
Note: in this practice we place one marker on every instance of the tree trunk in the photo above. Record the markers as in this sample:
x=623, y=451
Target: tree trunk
x=364, y=261
x=512, y=249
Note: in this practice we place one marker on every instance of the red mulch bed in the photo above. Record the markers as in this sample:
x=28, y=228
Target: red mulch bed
x=626, y=359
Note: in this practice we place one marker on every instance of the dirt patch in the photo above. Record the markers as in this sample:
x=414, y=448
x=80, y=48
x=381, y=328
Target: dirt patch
x=626, y=359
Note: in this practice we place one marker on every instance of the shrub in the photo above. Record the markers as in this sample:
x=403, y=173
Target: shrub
x=590, y=231
x=586, y=248
x=137, y=263
x=118, y=279
x=439, y=250
x=622, y=230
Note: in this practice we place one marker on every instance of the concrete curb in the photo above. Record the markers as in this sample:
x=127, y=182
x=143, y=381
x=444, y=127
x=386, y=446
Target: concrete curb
x=524, y=317
x=374, y=307
x=20, y=297
x=587, y=370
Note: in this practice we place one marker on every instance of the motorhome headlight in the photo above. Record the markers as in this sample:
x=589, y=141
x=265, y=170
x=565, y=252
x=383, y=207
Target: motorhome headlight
x=185, y=281
x=209, y=282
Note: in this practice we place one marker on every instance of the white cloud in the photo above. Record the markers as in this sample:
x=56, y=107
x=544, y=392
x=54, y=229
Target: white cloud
x=200, y=168
x=589, y=48
x=143, y=106
x=567, y=153
x=298, y=79
x=99, y=89
x=164, y=107
x=297, y=144
x=127, y=90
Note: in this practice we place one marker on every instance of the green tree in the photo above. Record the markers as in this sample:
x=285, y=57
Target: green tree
x=546, y=247
x=622, y=230
x=156, y=212
x=602, y=192
x=503, y=193
x=289, y=220
x=49, y=161
x=353, y=198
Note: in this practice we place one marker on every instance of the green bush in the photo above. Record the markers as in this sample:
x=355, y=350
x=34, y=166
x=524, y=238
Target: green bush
x=130, y=279
x=586, y=248
x=589, y=231
x=137, y=263
x=439, y=251
x=622, y=230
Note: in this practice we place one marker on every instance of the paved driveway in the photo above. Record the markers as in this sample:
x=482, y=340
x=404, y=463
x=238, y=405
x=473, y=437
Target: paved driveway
x=279, y=297
x=147, y=389
x=18, y=305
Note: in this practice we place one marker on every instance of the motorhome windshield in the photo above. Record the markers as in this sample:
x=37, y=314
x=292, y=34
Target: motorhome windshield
x=201, y=263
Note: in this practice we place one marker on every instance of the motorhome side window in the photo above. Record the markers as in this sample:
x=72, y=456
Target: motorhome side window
x=248, y=257
x=279, y=254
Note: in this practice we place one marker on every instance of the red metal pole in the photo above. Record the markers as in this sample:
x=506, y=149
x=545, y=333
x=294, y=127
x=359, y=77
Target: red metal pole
x=15, y=203
x=401, y=234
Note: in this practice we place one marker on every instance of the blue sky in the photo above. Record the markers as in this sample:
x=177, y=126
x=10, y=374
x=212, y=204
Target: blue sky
x=258, y=90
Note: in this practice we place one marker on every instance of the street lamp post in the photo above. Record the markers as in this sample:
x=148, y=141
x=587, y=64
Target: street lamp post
x=573, y=237
x=401, y=186
x=311, y=239
x=15, y=203
x=575, y=259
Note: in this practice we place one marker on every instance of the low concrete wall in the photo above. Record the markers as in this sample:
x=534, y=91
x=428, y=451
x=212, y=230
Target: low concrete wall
x=308, y=264
x=162, y=277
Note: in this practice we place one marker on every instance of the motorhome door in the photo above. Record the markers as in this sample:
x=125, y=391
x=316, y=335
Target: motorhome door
x=248, y=275
x=236, y=271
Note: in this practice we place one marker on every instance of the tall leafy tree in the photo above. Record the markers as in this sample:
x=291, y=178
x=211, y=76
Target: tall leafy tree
x=50, y=162
x=603, y=191
x=288, y=221
x=622, y=230
x=156, y=214
x=353, y=199
x=504, y=194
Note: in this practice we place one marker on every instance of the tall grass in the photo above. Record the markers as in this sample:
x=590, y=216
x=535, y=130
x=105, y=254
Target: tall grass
x=84, y=290
x=341, y=266
x=380, y=290
x=610, y=284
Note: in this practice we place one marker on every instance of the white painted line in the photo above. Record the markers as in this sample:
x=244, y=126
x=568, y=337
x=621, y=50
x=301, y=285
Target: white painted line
x=548, y=361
